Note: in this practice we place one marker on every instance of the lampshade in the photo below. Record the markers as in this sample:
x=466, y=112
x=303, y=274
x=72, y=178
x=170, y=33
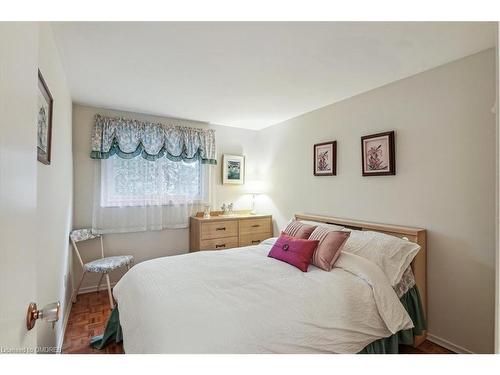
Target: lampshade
x=255, y=187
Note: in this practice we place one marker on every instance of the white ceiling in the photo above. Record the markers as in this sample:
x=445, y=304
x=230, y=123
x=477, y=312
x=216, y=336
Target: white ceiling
x=250, y=75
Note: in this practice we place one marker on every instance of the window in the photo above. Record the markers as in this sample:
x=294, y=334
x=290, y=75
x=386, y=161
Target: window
x=140, y=182
x=134, y=194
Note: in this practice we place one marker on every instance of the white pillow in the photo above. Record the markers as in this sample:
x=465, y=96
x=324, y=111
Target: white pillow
x=392, y=254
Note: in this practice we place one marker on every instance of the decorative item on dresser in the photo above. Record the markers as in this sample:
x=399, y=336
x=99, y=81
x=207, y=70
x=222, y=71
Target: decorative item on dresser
x=219, y=232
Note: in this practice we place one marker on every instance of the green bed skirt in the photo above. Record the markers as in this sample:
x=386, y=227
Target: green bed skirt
x=112, y=332
x=389, y=345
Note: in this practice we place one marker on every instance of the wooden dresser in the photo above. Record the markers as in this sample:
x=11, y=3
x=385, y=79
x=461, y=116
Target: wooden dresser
x=225, y=232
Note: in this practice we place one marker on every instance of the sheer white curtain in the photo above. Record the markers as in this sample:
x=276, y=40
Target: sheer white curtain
x=132, y=195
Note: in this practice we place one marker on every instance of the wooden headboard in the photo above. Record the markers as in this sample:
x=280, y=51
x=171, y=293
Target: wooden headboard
x=417, y=235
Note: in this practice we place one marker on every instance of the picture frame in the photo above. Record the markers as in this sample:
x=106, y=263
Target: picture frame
x=45, y=105
x=325, y=159
x=233, y=169
x=378, y=154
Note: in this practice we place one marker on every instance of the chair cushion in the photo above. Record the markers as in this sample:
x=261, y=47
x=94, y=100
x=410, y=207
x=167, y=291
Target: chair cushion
x=105, y=265
x=83, y=234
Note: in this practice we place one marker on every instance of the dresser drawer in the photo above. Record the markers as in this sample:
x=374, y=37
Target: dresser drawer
x=253, y=239
x=219, y=229
x=226, y=232
x=219, y=243
x=251, y=226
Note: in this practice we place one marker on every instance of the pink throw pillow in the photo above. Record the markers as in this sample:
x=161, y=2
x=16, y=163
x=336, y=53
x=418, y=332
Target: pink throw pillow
x=294, y=251
x=299, y=230
x=329, y=247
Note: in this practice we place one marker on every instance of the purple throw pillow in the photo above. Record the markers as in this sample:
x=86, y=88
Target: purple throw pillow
x=295, y=251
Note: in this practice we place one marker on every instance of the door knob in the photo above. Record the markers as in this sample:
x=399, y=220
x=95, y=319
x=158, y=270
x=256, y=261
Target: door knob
x=49, y=313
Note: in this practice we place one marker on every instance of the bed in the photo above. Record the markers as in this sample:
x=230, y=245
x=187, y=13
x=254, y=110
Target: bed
x=241, y=301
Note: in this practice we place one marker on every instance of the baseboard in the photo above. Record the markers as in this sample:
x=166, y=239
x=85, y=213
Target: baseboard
x=448, y=345
x=90, y=289
x=60, y=342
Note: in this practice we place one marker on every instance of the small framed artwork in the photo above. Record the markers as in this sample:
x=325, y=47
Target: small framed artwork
x=44, y=121
x=233, y=169
x=378, y=154
x=325, y=159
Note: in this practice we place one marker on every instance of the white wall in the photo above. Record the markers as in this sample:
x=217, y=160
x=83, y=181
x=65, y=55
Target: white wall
x=445, y=157
x=146, y=245
x=55, y=192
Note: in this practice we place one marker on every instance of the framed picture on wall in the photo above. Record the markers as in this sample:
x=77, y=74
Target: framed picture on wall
x=378, y=154
x=233, y=169
x=44, y=121
x=325, y=159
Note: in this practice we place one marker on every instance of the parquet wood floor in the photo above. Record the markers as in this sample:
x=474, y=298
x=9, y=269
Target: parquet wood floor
x=88, y=318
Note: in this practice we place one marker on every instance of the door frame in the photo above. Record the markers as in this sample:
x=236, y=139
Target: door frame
x=497, y=195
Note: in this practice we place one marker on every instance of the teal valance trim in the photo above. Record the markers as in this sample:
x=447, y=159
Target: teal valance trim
x=390, y=345
x=128, y=139
x=140, y=151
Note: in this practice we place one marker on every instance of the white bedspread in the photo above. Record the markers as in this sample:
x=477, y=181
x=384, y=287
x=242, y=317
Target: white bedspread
x=241, y=301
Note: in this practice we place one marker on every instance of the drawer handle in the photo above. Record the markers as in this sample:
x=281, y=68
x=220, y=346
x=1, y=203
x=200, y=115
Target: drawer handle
x=255, y=225
x=221, y=228
x=219, y=246
x=255, y=241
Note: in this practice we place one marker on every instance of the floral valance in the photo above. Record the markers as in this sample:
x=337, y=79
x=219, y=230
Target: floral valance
x=130, y=138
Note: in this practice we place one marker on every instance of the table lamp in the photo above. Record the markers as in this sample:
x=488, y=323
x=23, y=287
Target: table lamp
x=255, y=188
